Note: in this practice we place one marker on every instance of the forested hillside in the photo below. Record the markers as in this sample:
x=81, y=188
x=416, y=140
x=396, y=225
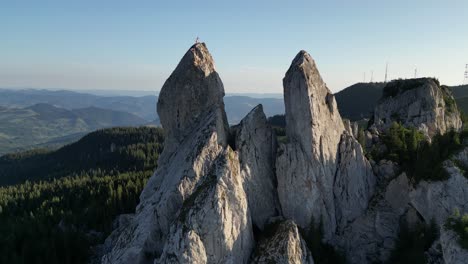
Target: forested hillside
x=60, y=204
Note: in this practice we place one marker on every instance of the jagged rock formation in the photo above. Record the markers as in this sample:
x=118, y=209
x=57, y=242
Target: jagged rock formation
x=218, y=192
x=214, y=223
x=354, y=182
x=192, y=90
x=316, y=178
x=438, y=200
x=452, y=251
x=371, y=237
x=256, y=143
x=283, y=246
x=420, y=103
x=197, y=136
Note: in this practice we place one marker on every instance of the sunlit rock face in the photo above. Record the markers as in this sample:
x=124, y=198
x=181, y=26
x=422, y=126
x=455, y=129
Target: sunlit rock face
x=236, y=195
x=322, y=172
x=420, y=103
x=255, y=141
x=192, y=113
x=193, y=90
x=306, y=165
x=214, y=224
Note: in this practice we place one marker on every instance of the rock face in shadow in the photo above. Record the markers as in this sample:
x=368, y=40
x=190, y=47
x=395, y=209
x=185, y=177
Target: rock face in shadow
x=283, y=246
x=317, y=176
x=420, y=103
x=354, y=182
x=255, y=141
x=451, y=249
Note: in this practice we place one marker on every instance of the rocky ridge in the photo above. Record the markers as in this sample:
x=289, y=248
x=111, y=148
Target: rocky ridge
x=236, y=195
x=420, y=103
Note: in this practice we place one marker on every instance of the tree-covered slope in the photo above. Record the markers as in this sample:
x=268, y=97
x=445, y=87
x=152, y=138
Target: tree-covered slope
x=72, y=195
x=358, y=101
x=118, y=149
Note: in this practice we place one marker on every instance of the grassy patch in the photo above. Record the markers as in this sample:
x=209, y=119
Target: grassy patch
x=412, y=242
x=322, y=252
x=422, y=160
x=459, y=224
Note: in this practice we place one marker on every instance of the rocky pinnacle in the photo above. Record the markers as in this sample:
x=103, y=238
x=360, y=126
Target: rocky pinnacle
x=193, y=89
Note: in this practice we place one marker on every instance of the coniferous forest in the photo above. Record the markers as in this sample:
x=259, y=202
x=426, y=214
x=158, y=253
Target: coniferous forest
x=56, y=206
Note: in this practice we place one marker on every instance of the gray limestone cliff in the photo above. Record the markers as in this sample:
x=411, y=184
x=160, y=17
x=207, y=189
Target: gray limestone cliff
x=283, y=246
x=255, y=141
x=322, y=172
x=236, y=195
x=420, y=103
x=197, y=133
x=214, y=224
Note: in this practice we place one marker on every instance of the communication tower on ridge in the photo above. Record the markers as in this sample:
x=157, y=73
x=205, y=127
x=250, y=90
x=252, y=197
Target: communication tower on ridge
x=465, y=80
x=386, y=71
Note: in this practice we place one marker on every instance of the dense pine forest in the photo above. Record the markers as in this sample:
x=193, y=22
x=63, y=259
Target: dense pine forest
x=56, y=206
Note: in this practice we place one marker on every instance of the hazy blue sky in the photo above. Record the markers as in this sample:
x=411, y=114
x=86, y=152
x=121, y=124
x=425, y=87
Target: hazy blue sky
x=136, y=44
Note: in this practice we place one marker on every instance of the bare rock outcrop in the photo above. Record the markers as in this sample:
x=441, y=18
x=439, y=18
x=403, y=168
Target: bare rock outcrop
x=283, y=246
x=196, y=137
x=354, y=182
x=255, y=141
x=437, y=200
x=321, y=170
x=216, y=185
x=307, y=163
x=452, y=252
x=420, y=103
x=192, y=90
x=371, y=237
x=214, y=223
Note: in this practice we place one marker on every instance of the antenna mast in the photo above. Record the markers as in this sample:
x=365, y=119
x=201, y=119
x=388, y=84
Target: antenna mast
x=415, y=73
x=386, y=71
x=372, y=76
x=465, y=80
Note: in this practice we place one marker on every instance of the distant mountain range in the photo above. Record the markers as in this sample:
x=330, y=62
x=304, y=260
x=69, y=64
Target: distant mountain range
x=144, y=106
x=31, y=118
x=44, y=118
x=237, y=106
x=46, y=125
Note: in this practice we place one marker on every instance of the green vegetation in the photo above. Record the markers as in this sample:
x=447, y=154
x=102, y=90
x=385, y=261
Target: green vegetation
x=358, y=101
x=396, y=87
x=322, y=252
x=419, y=158
x=278, y=123
x=450, y=104
x=58, y=217
x=459, y=224
x=362, y=138
x=117, y=149
x=412, y=242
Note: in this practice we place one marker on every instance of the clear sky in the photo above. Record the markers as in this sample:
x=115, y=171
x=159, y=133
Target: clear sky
x=136, y=44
